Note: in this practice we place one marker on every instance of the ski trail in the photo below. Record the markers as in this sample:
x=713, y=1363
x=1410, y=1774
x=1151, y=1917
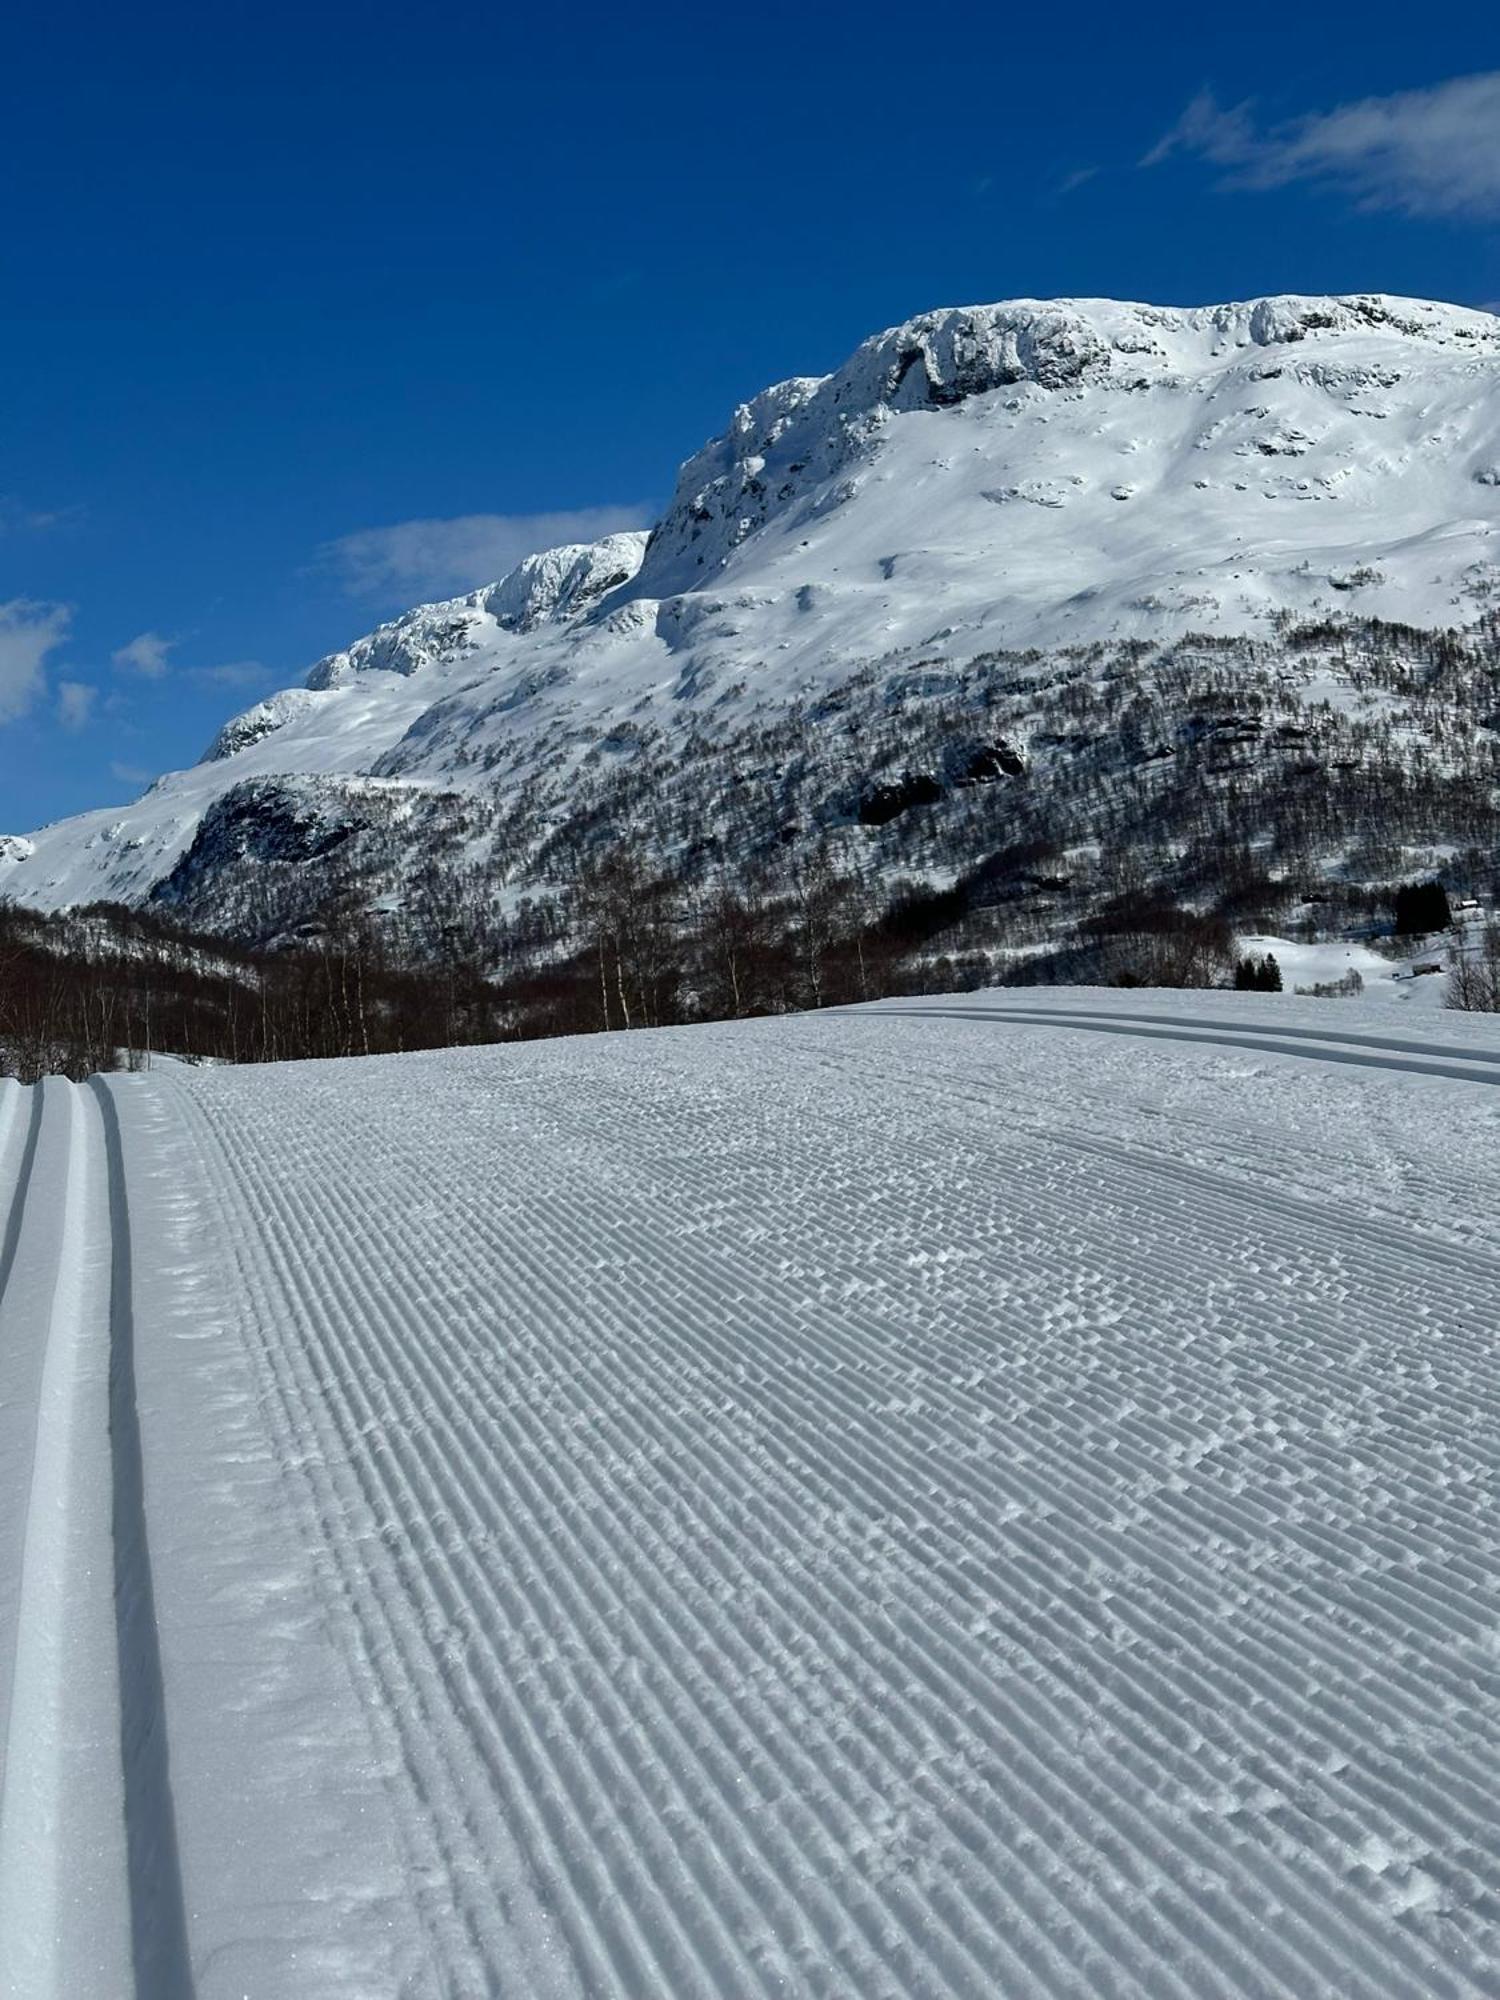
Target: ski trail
x=1356, y=1051
x=64, y=1897
x=466, y=1874
x=1340, y=1037
x=814, y=1529
x=287, y=1858
x=159, y=1947
x=21, y=1351
x=816, y=1509
x=87, y=1866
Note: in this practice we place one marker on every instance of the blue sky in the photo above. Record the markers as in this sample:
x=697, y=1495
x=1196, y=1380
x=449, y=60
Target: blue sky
x=309, y=314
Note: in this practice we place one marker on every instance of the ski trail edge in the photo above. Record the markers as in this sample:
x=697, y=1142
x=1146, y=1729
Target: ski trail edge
x=158, y=1919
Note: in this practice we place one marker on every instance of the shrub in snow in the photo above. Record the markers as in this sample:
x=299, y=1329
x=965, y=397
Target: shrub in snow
x=1347, y=987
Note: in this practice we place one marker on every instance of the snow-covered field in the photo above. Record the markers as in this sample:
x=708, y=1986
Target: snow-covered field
x=977, y=1496
x=1386, y=980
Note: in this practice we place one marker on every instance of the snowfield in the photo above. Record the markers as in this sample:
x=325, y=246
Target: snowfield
x=975, y=1496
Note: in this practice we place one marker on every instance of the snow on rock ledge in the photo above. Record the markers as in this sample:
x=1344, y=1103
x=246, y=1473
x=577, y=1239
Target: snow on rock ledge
x=547, y=588
x=429, y=636
x=793, y=436
x=263, y=720
x=558, y=583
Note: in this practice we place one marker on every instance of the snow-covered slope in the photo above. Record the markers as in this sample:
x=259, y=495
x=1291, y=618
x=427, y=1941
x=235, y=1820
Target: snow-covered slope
x=990, y=1499
x=1014, y=476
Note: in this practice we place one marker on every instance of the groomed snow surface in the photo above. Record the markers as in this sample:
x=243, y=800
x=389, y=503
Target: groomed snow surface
x=989, y=1496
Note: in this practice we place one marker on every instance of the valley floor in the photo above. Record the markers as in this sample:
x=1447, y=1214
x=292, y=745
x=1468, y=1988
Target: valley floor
x=976, y=1496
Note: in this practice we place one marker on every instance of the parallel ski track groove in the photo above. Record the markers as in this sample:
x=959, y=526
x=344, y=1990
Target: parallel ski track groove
x=82, y=1377
x=1335, y=1037
x=548, y=1579
x=23, y=1171
x=159, y=1937
x=601, y=1693
x=394, y=1660
x=1133, y=1163
x=1357, y=1051
x=1320, y=1914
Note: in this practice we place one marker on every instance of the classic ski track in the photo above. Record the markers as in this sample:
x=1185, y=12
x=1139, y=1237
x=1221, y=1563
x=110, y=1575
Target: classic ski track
x=1339, y=1037
x=20, y=1374
x=1356, y=1051
x=714, y=1832
x=160, y=1953
x=1225, y=1156
x=1380, y=1227
x=90, y=1900
x=64, y=1894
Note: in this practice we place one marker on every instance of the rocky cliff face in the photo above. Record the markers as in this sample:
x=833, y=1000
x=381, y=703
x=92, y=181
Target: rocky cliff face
x=785, y=443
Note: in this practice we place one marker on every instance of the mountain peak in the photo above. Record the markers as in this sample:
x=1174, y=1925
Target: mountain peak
x=1037, y=478
x=796, y=434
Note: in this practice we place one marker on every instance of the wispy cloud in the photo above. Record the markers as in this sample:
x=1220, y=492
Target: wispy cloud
x=75, y=703
x=129, y=774
x=29, y=631
x=17, y=518
x=416, y=559
x=232, y=674
x=1422, y=152
x=146, y=655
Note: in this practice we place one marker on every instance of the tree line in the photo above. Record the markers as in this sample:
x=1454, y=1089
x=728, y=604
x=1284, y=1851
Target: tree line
x=627, y=944
x=631, y=947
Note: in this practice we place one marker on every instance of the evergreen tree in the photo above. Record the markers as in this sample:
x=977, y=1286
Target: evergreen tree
x=1422, y=907
x=1257, y=975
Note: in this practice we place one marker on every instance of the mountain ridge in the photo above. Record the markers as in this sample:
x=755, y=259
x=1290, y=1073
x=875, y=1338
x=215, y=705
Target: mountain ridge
x=1033, y=477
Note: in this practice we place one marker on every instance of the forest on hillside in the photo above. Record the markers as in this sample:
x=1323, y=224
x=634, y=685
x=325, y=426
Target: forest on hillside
x=109, y=987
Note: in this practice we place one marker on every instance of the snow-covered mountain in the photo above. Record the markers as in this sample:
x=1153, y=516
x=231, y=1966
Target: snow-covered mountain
x=1032, y=478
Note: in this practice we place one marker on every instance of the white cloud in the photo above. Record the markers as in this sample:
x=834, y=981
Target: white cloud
x=29, y=631
x=129, y=774
x=432, y=559
x=233, y=673
x=1423, y=152
x=145, y=655
x=75, y=703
